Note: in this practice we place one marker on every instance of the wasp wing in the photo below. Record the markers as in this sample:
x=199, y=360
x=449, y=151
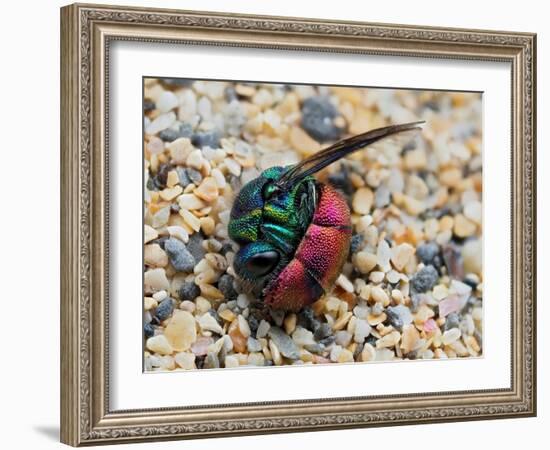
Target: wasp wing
x=390, y=135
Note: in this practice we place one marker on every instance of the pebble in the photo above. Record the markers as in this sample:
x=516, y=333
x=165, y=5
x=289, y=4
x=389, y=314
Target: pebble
x=303, y=337
x=189, y=291
x=159, y=344
x=178, y=233
x=424, y=279
x=262, y=330
x=208, y=190
x=166, y=101
x=473, y=211
x=362, y=201
x=149, y=234
x=154, y=255
x=362, y=330
x=181, y=331
x=206, y=139
x=463, y=227
x=318, y=115
x=380, y=295
x=161, y=123
x=401, y=255
x=368, y=353
x=231, y=361
x=399, y=316
x=365, y=261
x=449, y=305
x=472, y=253
x=185, y=360
x=164, y=309
x=209, y=323
x=409, y=338
x=383, y=255
x=427, y=252
x=155, y=280
x=290, y=323
x=253, y=345
x=225, y=285
x=389, y=340
x=284, y=343
x=180, y=257
x=323, y=331
x=451, y=336
x=302, y=142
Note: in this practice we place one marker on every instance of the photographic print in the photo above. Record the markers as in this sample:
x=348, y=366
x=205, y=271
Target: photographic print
x=291, y=224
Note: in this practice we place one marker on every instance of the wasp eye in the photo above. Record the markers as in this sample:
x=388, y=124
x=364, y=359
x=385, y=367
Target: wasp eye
x=262, y=263
x=269, y=190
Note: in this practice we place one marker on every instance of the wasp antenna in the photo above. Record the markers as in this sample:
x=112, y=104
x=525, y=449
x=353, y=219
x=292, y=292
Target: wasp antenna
x=331, y=154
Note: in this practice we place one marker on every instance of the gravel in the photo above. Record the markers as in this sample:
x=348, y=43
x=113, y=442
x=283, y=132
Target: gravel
x=413, y=277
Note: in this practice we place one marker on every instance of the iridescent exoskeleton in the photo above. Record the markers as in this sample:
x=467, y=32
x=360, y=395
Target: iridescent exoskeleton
x=294, y=232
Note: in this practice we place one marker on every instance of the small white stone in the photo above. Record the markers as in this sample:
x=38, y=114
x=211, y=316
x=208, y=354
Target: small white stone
x=160, y=295
x=263, y=328
x=376, y=276
x=473, y=211
x=155, y=280
x=344, y=283
x=451, y=336
x=380, y=295
x=383, y=255
x=302, y=337
x=179, y=233
x=207, y=322
x=149, y=234
x=362, y=330
x=231, y=361
x=244, y=328
x=166, y=101
x=159, y=344
x=185, y=360
x=243, y=301
x=161, y=217
x=161, y=123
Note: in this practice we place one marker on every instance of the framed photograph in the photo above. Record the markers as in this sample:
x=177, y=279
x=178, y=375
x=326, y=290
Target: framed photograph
x=278, y=225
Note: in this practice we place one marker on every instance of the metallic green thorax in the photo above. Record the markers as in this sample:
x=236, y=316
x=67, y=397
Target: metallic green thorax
x=261, y=212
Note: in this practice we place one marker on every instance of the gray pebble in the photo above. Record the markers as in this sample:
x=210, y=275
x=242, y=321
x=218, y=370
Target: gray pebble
x=189, y=291
x=427, y=252
x=306, y=319
x=424, y=279
x=318, y=116
x=225, y=285
x=195, y=246
x=169, y=135
x=180, y=257
x=284, y=343
x=382, y=196
x=194, y=175
x=399, y=315
x=148, y=330
x=356, y=242
x=206, y=139
x=184, y=179
x=451, y=321
x=253, y=345
x=323, y=331
x=164, y=309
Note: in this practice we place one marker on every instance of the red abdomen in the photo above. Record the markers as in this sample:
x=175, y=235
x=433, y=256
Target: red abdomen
x=319, y=257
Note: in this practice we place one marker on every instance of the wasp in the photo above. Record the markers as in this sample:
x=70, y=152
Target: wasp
x=293, y=231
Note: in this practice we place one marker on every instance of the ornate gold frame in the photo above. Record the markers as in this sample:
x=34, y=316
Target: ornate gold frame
x=86, y=31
